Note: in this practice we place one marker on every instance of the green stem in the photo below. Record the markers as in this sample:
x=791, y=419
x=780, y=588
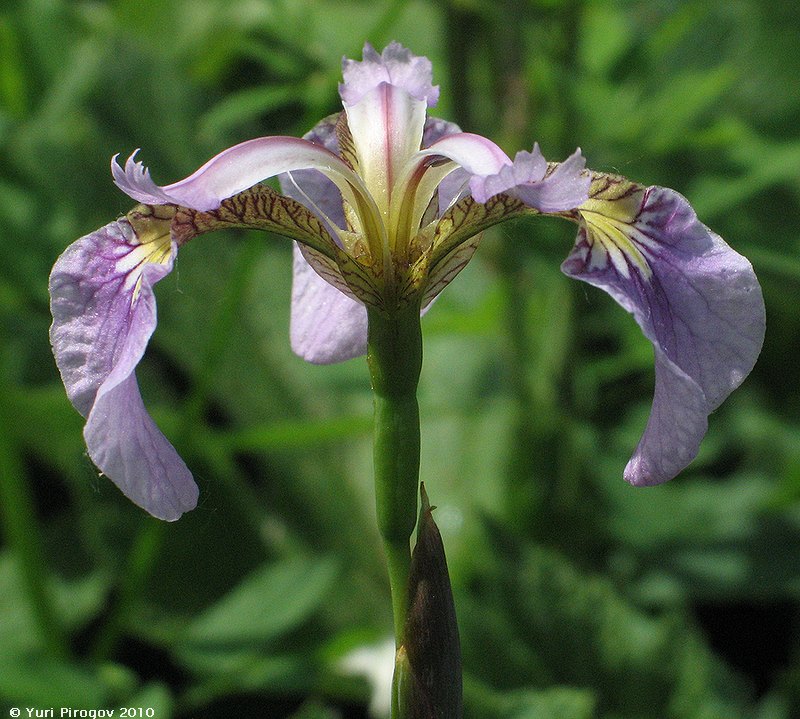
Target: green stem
x=395, y=361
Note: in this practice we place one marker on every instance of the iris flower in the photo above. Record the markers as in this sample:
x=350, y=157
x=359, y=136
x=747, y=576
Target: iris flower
x=386, y=205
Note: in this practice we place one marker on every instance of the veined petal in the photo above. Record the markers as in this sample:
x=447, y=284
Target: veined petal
x=242, y=166
x=102, y=305
x=695, y=299
x=326, y=326
x=445, y=271
x=467, y=218
x=104, y=313
x=526, y=178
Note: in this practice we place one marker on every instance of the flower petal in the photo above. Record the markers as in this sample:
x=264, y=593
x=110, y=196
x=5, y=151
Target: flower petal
x=236, y=169
x=386, y=98
x=451, y=187
x=695, y=299
x=310, y=187
x=126, y=445
x=563, y=189
x=135, y=181
x=104, y=313
x=478, y=155
x=394, y=66
x=327, y=326
x=386, y=126
x=424, y=177
x=445, y=271
x=436, y=129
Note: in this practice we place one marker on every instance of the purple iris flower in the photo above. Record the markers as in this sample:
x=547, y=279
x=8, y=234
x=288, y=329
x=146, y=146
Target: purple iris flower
x=386, y=206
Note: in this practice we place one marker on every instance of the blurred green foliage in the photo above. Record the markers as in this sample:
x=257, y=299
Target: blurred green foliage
x=578, y=596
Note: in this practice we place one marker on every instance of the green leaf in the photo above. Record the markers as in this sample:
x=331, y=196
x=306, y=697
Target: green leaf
x=270, y=602
x=38, y=679
x=12, y=71
x=28, y=673
x=245, y=106
x=153, y=696
x=585, y=633
x=606, y=36
x=552, y=703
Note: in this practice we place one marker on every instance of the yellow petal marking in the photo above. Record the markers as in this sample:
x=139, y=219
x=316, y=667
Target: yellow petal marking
x=153, y=242
x=609, y=219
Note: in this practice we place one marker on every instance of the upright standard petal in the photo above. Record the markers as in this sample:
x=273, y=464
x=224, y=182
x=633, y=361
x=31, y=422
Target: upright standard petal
x=104, y=313
x=386, y=98
x=695, y=299
x=394, y=66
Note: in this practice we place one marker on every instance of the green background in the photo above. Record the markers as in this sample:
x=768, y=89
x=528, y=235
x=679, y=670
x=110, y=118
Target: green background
x=578, y=596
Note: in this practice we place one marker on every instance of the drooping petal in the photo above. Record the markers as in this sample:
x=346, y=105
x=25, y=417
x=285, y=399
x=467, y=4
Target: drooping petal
x=104, y=313
x=563, y=189
x=125, y=444
x=695, y=299
x=102, y=308
x=326, y=326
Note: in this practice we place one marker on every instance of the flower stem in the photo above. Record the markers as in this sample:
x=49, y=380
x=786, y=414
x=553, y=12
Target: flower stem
x=395, y=360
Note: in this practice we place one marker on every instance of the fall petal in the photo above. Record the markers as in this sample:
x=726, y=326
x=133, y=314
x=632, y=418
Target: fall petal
x=696, y=299
x=326, y=326
x=125, y=444
x=104, y=313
